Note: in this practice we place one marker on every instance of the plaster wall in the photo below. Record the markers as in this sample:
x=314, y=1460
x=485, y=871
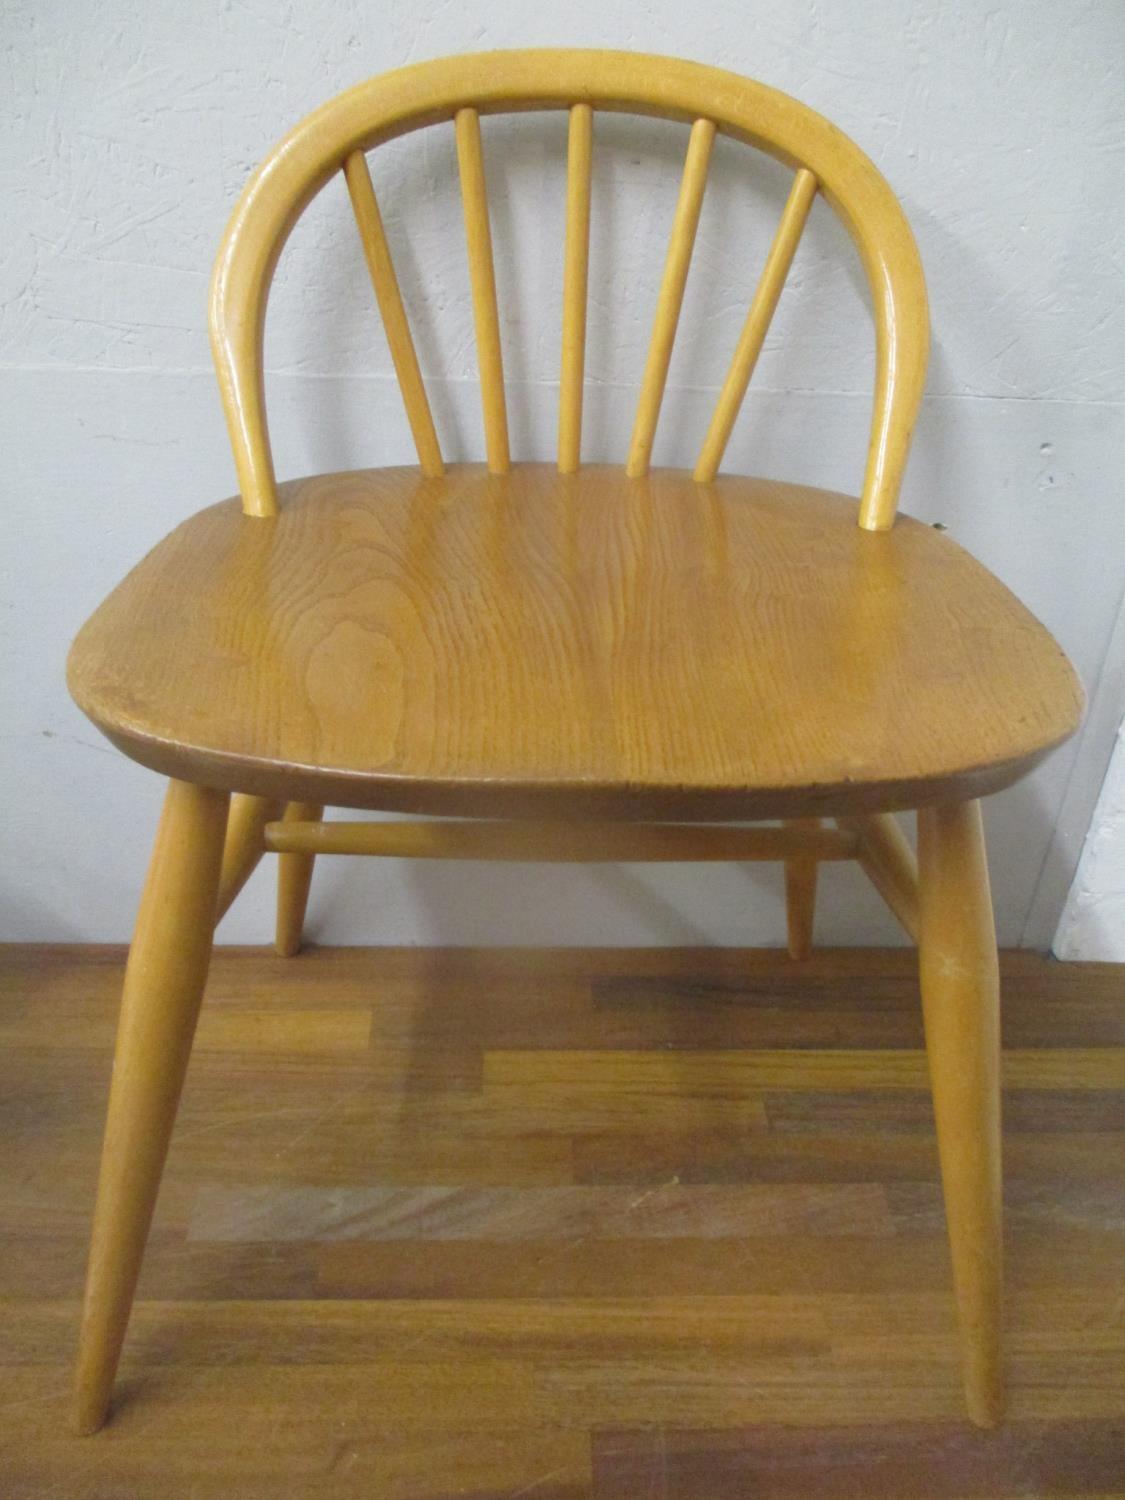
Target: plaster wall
x=130, y=128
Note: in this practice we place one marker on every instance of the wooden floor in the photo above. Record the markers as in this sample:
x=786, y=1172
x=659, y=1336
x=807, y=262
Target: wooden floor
x=618, y=1225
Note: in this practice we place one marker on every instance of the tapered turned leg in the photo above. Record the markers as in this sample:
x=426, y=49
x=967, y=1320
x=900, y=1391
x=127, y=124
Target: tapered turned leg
x=163, y=986
x=244, y=847
x=294, y=876
x=960, y=1005
x=800, y=895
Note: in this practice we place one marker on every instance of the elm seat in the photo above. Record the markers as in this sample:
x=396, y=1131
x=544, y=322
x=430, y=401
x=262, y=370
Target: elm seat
x=497, y=644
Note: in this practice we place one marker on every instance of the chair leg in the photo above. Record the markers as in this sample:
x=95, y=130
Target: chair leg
x=800, y=895
x=960, y=1005
x=164, y=982
x=294, y=876
x=244, y=847
x=889, y=863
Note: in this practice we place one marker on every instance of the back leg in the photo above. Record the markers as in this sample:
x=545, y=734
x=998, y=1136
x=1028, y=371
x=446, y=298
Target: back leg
x=244, y=847
x=294, y=876
x=800, y=894
x=888, y=860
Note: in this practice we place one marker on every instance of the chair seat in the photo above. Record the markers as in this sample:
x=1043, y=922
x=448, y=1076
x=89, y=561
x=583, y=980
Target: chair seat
x=531, y=644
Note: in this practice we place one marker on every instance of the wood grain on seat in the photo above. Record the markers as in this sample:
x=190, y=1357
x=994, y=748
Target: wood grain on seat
x=534, y=643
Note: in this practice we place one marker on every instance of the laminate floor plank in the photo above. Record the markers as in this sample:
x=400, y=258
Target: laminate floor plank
x=564, y=1224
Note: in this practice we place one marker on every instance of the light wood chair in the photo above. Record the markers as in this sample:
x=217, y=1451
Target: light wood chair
x=578, y=663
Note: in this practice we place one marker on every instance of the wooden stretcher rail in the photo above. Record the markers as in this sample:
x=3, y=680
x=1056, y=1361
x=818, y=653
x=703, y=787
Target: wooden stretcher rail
x=559, y=842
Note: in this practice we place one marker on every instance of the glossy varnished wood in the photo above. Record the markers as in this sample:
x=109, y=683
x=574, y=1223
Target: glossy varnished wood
x=572, y=375
x=294, y=878
x=757, y=324
x=889, y=863
x=961, y=1005
x=810, y=1354
x=377, y=254
x=677, y=263
x=543, y=644
x=163, y=988
x=561, y=843
x=463, y=88
x=551, y=647
x=482, y=279
x=800, y=891
x=244, y=845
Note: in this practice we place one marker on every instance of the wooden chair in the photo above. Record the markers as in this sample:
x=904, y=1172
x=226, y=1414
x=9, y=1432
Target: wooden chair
x=584, y=663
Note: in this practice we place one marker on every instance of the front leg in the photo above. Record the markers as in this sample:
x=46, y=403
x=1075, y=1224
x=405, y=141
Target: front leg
x=960, y=1006
x=163, y=987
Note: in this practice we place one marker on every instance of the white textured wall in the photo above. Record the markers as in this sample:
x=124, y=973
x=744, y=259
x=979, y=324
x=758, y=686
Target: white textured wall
x=130, y=128
x=1093, y=920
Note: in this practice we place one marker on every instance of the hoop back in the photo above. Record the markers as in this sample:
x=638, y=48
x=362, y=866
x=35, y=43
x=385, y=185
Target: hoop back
x=460, y=89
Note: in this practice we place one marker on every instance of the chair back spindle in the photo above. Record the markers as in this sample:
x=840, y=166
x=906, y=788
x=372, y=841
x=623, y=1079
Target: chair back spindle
x=757, y=324
x=579, y=158
x=671, y=296
x=377, y=253
x=482, y=277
